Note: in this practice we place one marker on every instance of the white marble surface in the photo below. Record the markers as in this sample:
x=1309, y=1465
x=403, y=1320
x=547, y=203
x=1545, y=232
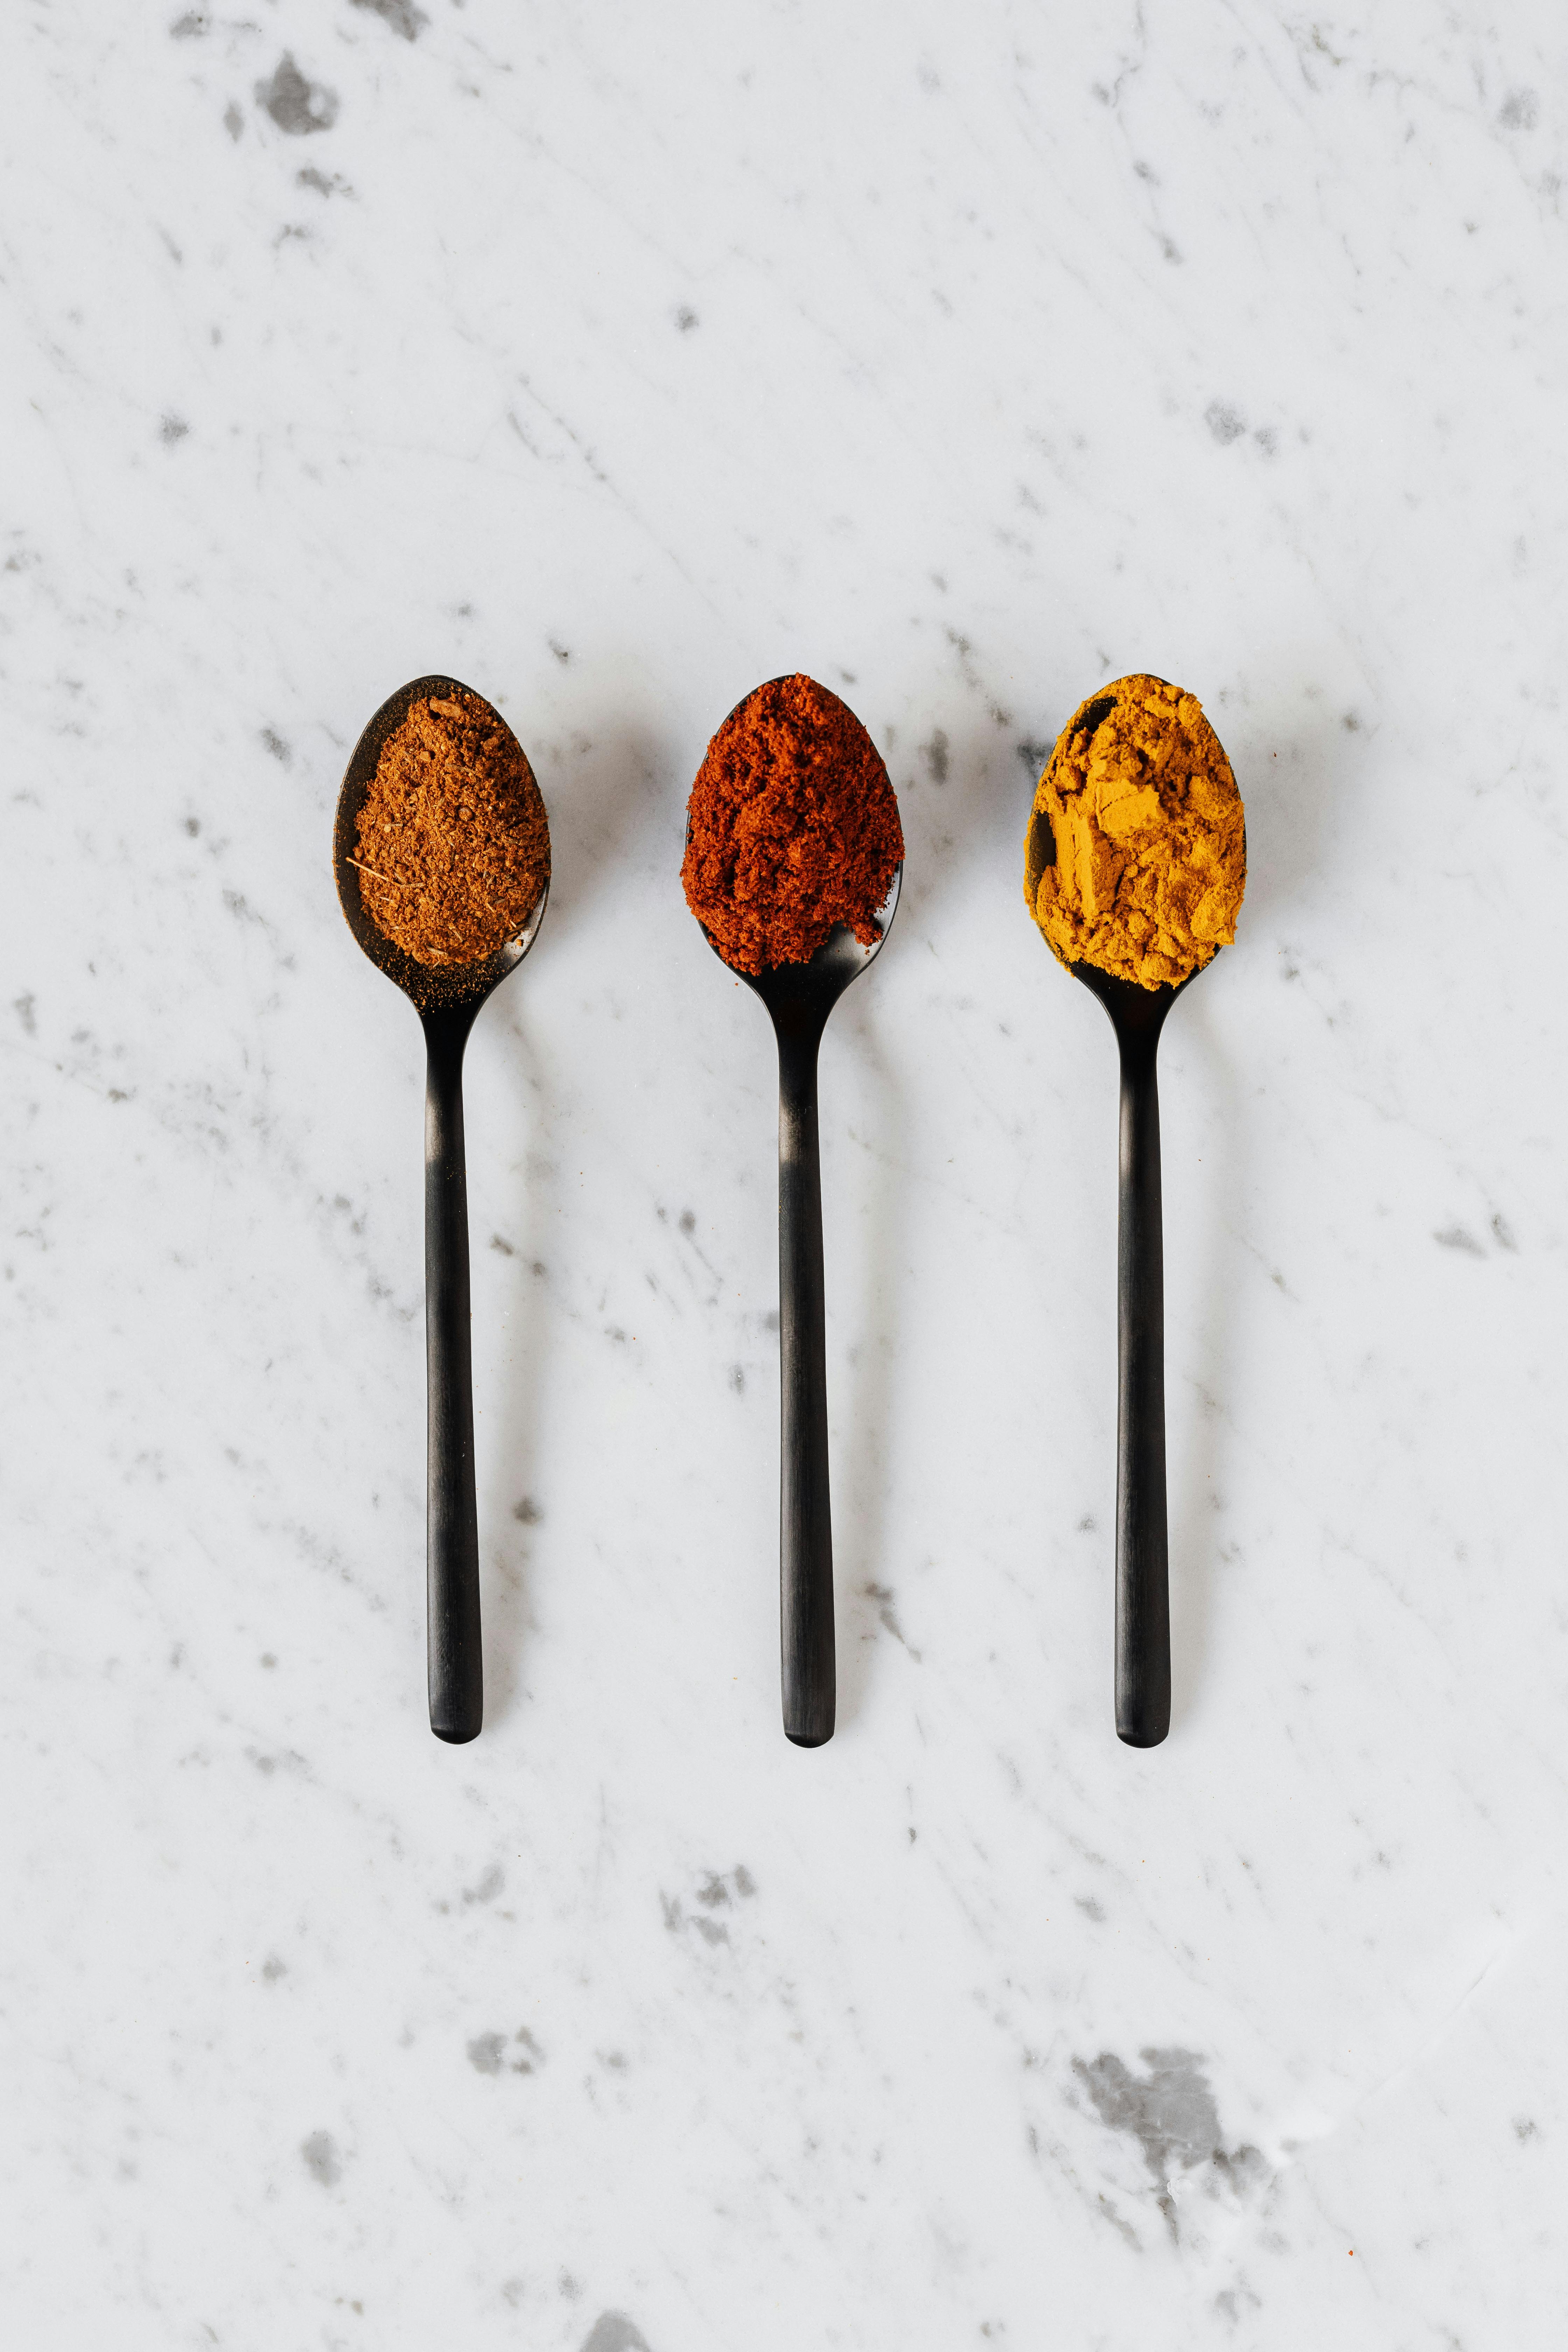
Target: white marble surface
x=616, y=360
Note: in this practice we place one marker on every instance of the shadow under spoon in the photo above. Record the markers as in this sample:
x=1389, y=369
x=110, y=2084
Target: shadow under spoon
x=1142, y=1548
x=799, y=997
x=447, y=999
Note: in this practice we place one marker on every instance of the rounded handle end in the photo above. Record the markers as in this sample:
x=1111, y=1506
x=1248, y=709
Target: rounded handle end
x=458, y=1733
x=1143, y=1730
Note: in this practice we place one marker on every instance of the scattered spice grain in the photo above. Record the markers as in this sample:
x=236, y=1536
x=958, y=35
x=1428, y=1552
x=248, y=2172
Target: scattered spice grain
x=793, y=827
x=453, y=842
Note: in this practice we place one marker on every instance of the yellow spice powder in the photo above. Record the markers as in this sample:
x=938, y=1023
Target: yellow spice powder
x=1149, y=832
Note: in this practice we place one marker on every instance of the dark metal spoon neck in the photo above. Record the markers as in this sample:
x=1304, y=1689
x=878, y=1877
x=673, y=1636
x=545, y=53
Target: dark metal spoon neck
x=1139, y=1050
x=448, y=1029
x=799, y=1034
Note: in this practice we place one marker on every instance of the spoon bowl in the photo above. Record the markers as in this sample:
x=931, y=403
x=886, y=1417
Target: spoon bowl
x=432, y=987
x=799, y=997
x=448, y=999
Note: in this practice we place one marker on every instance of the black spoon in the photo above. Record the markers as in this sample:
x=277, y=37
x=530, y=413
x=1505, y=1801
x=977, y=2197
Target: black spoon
x=799, y=997
x=447, y=1000
x=1142, y=1570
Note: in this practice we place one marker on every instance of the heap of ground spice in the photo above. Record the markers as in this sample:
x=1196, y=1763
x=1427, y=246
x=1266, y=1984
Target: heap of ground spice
x=453, y=844
x=793, y=828
x=1150, y=836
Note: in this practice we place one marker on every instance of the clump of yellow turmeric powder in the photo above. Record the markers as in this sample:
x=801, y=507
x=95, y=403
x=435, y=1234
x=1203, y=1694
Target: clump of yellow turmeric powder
x=1141, y=862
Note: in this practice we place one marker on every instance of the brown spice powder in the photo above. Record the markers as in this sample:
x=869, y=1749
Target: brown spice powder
x=453, y=842
x=793, y=828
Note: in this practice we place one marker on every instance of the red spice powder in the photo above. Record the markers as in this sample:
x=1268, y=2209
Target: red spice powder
x=794, y=825
x=453, y=842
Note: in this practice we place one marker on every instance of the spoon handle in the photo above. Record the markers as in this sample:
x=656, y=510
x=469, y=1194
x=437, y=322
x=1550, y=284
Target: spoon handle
x=805, y=1521
x=1143, y=1587
x=452, y=1553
